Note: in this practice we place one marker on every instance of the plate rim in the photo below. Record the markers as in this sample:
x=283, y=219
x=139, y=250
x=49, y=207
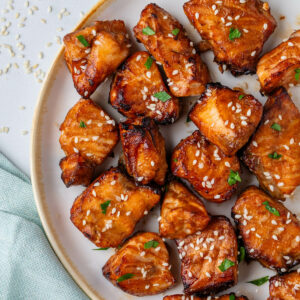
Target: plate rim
x=35, y=166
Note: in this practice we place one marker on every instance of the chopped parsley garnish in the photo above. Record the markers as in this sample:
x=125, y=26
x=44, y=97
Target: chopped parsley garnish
x=162, y=96
x=232, y=297
x=175, y=160
x=242, y=254
x=101, y=248
x=276, y=126
x=259, y=281
x=104, y=206
x=125, y=277
x=82, y=124
x=148, y=31
x=297, y=75
x=148, y=63
x=271, y=209
x=241, y=97
x=83, y=41
x=234, y=177
x=226, y=264
x=234, y=33
x=151, y=244
x=175, y=31
x=274, y=155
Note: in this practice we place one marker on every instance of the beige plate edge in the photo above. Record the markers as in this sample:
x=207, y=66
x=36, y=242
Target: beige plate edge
x=36, y=178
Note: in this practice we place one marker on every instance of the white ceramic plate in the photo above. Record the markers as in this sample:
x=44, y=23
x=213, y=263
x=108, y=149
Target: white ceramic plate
x=54, y=200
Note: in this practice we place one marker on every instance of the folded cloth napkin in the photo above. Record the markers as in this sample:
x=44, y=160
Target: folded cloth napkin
x=29, y=268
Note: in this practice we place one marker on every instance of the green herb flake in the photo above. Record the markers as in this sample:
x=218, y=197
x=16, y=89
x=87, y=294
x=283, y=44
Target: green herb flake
x=175, y=31
x=271, y=209
x=276, y=126
x=125, y=277
x=101, y=248
x=83, y=41
x=241, y=97
x=175, y=160
x=148, y=63
x=234, y=33
x=151, y=244
x=234, y=177
x=82, y=124
x=104, y=206
x=226, y=264
x=242, y=254
x=162, y=96
x=297, y=74
x=188, y=119
x=148, y=31
x=274, y=155
x=232, y=297
x=259, y=281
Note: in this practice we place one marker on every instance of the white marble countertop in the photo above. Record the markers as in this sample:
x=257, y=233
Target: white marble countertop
x=30, y=37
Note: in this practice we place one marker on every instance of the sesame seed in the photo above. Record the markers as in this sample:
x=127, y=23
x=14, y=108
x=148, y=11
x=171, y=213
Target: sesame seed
x=194, y=51
x=145, y=212
x=286, y=147
x=228, y=24
x=207, y=274
x=283, y=57
x=298, y=238
x=244, y=123
x=237, y=17
x=175, y=72
x=277, y=176
x=113, y=182
x=128, y=213
x=290, y=44
x=143, y=253
x=148, y=74
x=251, y=251
x=158, y=248
x=75, y=150
x=232, y=126
x=280, y=184
x=138, y=57
x=147, y=286
x=140, y=178
x=216, y=11
x=214, y=7
x=288, y=221
x=271, y=187
x=194, y=162
x=94, y=193
x=229, y=104
x=265, y=26
x=223, y=20
x=217, y=196
x=197, y=15
x=274, y=237
x=152, y=163
x=200, y=165
x=254, y=143
x=253, y=53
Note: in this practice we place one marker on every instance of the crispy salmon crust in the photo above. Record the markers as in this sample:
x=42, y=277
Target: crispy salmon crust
x=170, y=46
x=108, y=210
x=202, y=255
x=182, y=213
x=144, y=151
x=270, y=232
x=149, y=267
x=76, y=170
x=285, y=287
x=132, y=92
x=93, y=53
x=279, y=67
x=205, y=166
x=187, y=297
x=274, y=153
x=235, y=31
x=227, y=118
x=89, y=131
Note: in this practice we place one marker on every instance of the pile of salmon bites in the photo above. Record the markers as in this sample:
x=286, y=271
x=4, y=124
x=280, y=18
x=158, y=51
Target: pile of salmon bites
x=233, y=127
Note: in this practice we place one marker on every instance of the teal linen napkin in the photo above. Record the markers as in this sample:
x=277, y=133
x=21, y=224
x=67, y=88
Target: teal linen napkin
x=29, y=268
